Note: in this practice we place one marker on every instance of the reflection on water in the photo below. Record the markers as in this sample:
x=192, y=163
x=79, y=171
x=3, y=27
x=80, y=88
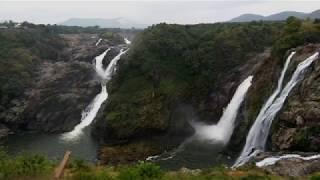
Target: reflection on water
x=52, y=145
x=194, y=154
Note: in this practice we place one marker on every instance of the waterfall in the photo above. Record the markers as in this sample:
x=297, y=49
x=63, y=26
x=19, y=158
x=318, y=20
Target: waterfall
x=222, y=131
x=98, y=42
x=259, y=131
x=91, y=111
x=219, y=133
x=98, y=63
x=127, y=41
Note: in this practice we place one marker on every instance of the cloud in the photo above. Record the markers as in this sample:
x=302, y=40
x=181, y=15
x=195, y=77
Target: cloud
x=184, y=12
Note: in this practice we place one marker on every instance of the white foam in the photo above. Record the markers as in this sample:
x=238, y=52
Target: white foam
x=272, y=160
x=127, y=41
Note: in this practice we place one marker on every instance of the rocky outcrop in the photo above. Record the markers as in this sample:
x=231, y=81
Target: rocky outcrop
x=297, y=126
x=60, y=91
x=59, y=96
x=291, y=166
x=265, y=71
x=4, y=131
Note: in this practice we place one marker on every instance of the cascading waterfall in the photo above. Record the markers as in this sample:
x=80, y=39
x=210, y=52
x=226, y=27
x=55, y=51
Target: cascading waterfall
x=259, y=132
x=127, y=41
x=222, y=131
x=213, y=134
x=98, y=42
x=91, y=111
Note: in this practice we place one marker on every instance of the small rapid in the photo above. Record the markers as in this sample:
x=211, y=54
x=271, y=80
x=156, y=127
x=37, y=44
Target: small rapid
x=258, y=134
x=272, y=160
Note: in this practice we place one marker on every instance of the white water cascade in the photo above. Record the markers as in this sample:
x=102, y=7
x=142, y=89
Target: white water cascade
x=98, y=42
x=272, y=160
x=91, y=111
x=222, y=131
x=127, y=41
x=219, y=133
x=259, y=131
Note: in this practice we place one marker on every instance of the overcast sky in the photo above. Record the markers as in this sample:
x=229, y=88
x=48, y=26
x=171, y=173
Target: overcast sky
x=149, y=12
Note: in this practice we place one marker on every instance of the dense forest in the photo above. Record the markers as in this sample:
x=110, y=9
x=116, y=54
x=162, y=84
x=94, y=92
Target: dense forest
x=20, y=53
x=172, y=64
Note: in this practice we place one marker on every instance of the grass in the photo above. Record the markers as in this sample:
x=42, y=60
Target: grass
x=39, y=167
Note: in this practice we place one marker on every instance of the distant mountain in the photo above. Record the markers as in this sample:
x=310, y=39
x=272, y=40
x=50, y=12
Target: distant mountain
x=276, y=17
x=247, y=17
x=104, y=23
x=315, y=14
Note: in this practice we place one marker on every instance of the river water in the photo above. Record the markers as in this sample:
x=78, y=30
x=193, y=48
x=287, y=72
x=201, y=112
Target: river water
x=52, y=145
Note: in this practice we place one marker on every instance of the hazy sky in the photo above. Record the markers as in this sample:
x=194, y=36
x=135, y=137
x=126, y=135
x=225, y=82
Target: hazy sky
x=184, y=12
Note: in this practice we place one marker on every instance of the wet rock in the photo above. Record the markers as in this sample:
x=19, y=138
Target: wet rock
x=127, y=153
x=301, y=110
x=60, y=95
x=62, y=88
x=4, y=131
x=285, y=138
x=294, y=167
x=193, y=172
x=299, y=121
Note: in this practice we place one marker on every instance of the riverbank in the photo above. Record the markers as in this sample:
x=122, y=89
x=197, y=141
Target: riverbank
x=39, y=167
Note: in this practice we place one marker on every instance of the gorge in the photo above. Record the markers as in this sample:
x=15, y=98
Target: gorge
x=180, y=96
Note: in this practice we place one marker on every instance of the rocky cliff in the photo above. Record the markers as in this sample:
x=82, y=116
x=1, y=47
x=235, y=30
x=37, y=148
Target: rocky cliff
x=297, y=126
x=59, y=90
x=176, y=74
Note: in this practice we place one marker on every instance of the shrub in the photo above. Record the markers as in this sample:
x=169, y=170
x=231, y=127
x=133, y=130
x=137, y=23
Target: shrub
x=315, y=176
x=142, y=171
x=91, y=175
x=23, y=166
x=79, y=164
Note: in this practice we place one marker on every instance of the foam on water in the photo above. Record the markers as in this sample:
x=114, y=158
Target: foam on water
x=272, y=160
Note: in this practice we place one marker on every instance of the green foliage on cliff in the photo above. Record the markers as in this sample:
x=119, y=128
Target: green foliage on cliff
x=296, y=33
x=21, y=50
x=24, y=166
x=171, y=64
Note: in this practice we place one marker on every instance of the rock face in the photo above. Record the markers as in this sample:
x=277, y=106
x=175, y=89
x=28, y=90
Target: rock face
x=61, y=90
x=297, y=126
x=266, y=72
x=61, y=94
x=293, y=167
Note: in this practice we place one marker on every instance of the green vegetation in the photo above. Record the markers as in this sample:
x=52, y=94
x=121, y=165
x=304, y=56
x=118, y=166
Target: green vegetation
x=21, y=51
x=24, y=166
x=172, y=64
x=296, y=33
x=303, y=138
x=39, y=167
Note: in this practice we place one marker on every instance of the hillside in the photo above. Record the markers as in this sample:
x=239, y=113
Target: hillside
x=276, y=17
x=104, y=23
x=168, y=79
x=174, y=74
